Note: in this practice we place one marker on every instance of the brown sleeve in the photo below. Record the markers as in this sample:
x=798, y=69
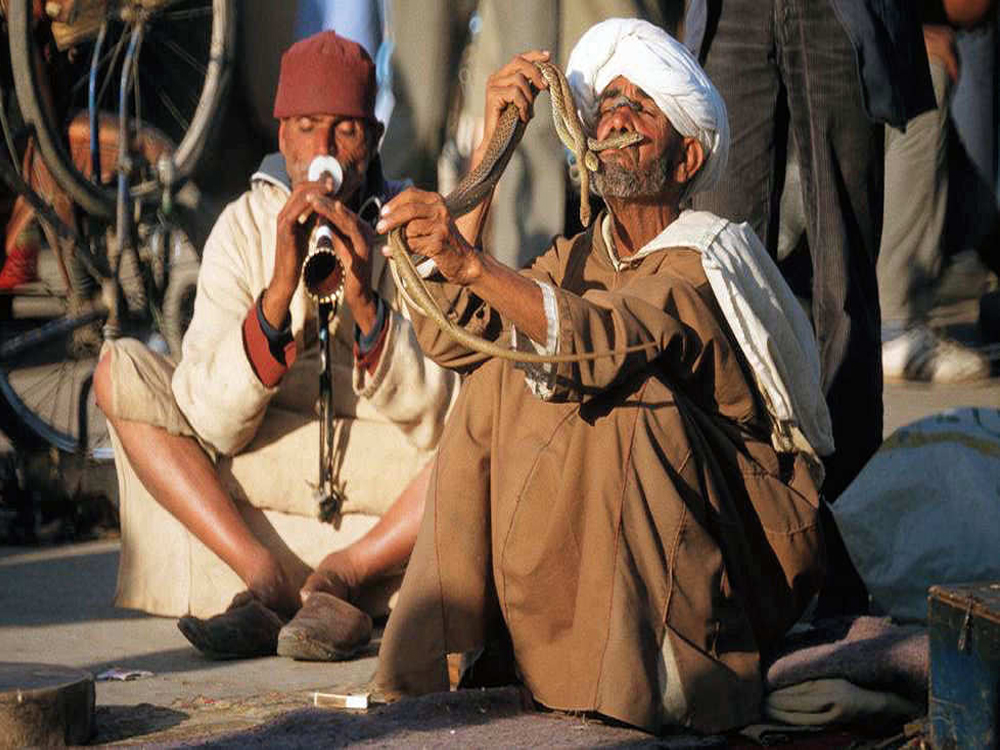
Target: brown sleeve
x=658, y=309
x=470, y=312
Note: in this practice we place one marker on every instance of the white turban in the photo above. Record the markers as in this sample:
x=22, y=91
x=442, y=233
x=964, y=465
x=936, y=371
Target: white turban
x=662, y=67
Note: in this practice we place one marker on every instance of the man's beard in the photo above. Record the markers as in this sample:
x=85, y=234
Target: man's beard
x=615, y=181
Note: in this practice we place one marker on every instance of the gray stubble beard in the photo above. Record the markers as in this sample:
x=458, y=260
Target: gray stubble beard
x=613, y=181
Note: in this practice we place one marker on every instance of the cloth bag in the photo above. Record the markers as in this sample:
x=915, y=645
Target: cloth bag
x=925, y=510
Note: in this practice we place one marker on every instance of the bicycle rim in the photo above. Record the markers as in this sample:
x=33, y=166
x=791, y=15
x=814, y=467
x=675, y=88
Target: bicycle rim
x=45, y=385
x=171, y=27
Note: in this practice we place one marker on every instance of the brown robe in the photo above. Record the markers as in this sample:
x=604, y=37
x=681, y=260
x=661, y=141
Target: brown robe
x=638, y=535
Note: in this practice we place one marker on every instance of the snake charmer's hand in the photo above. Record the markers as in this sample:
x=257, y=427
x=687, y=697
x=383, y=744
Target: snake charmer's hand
x=430, y=231
x=291, y=246
x=518, y=83
x=352, y=242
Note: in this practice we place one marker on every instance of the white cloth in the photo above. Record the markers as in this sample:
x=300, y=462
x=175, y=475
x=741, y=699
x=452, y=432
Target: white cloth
x=540, y=378
x=661, y=66
x=836, y=701
x=215, y=385
x=767, y=321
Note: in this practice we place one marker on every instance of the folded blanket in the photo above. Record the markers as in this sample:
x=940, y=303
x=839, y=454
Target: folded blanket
x=869, y=652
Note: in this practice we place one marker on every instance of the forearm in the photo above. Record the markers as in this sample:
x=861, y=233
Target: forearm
x=517, y=298
x=471, y=225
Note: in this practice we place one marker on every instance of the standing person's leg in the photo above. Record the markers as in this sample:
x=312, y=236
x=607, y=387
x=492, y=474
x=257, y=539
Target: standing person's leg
x=916, y=198
x=912, y=255
x=840, y=155
x=426, y=38
x=529, y=206
x=740, y=62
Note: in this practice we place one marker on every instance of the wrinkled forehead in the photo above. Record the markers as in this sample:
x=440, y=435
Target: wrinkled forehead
x=621, y=87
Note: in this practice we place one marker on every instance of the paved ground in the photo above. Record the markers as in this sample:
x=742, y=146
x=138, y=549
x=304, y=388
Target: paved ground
x=55, y=608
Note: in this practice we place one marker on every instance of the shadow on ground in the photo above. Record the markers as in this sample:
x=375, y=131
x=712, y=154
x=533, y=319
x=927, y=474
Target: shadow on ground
x=74, y=588
x=116, y=723
x=499, y=717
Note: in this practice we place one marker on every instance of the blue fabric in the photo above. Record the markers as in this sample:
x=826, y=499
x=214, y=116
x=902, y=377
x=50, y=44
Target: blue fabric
x=357, y=20
x=272, y=169
x=892, y=60
x=366, y=343
x=277, y=339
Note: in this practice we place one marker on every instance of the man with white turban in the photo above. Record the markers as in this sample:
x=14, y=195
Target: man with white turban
x=641, y=527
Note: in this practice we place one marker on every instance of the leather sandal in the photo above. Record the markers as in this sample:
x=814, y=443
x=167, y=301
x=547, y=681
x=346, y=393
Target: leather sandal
x=327, y=628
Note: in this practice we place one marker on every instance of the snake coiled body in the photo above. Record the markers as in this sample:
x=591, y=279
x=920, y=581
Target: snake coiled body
x=478, y=184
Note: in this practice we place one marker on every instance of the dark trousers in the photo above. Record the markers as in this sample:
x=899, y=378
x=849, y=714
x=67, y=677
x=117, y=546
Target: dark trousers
x=787, y=70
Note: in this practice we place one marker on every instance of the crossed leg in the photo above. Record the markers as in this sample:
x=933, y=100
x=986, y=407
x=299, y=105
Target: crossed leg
x=179, y=474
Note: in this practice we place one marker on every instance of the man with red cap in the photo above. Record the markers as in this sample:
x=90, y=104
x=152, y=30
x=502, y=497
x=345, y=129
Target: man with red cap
x=231, y=428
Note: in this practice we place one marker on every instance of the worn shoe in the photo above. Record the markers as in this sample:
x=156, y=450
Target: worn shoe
x=922, y=354
x=325, y=629
x=245, y=630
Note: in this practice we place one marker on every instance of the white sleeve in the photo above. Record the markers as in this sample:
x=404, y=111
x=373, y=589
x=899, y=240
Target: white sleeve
x=540, y=378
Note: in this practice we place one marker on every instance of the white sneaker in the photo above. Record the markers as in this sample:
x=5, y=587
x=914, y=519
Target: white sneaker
x=922, y=354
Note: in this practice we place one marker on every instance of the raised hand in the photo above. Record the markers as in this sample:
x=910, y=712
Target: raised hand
x=518, y=83
x=291, y=245
x=352, y=242
x=430, y=230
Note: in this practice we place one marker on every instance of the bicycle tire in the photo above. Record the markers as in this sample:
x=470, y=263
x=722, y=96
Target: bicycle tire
x=60, y=412
x=94, y=198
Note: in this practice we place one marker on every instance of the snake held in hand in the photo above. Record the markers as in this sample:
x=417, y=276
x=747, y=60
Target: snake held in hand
x=478, y=184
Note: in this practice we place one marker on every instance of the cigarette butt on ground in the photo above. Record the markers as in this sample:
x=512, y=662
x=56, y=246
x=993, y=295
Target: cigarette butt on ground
x=341, y=700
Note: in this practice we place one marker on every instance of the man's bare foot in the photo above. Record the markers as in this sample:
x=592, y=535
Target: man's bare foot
x=337, y=574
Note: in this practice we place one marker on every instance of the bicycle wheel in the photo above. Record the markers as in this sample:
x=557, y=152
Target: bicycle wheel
x=46, y=399
x=182, y=71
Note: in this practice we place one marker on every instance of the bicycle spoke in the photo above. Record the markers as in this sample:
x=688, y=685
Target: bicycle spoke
x=67, y=404
x=184, y=55
x=42, y=395
x=119, y=47
x=52, y=393
x=179, y=86
x=43, y=384
x=171, y=106
x=111, y=54
x=185, y=15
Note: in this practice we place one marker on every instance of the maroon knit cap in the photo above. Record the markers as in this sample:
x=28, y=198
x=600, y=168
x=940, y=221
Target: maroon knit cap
x=326, y=74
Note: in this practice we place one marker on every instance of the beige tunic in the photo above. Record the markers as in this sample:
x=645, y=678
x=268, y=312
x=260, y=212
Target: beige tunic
x=638, y=535
x=387, y=422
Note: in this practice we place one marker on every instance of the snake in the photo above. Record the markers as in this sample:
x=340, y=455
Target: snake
x=479, y=183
